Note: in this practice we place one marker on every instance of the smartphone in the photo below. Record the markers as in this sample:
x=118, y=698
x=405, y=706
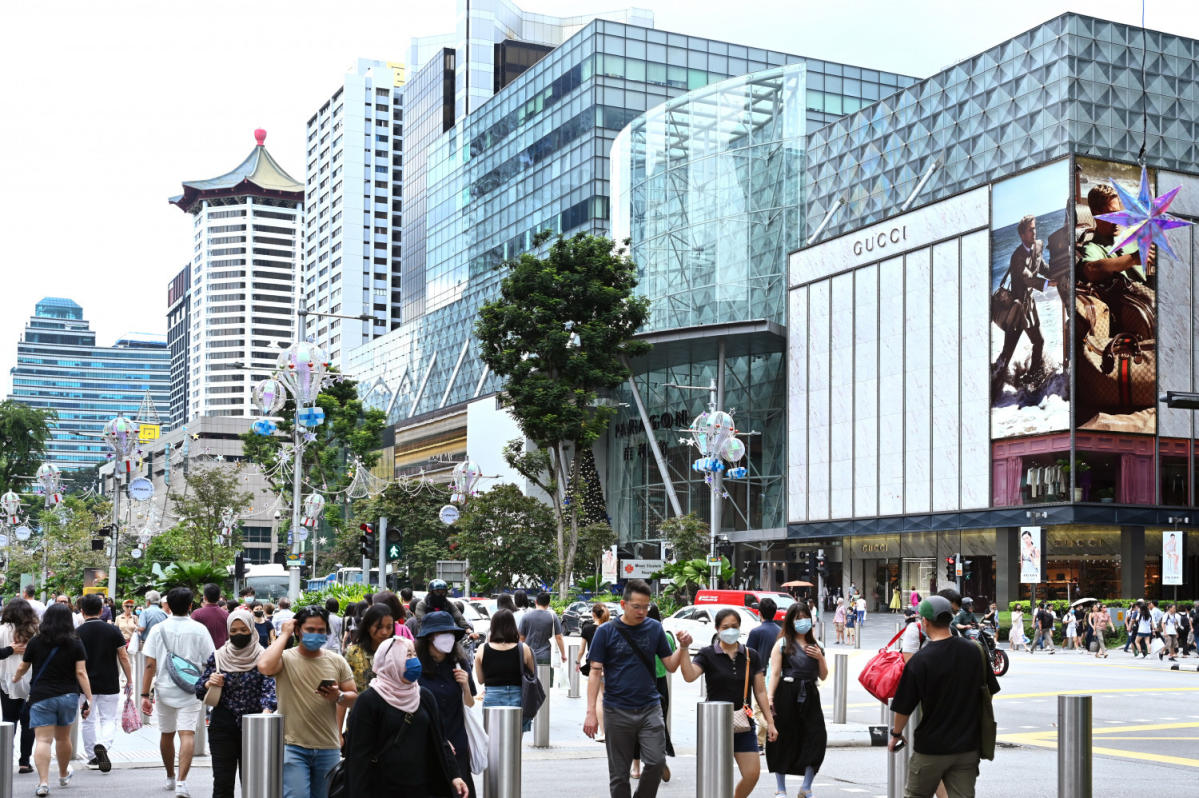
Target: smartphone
x=899, y=744
x=326, y=683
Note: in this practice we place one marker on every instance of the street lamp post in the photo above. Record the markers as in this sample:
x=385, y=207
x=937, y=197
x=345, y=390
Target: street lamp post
x=121, y=436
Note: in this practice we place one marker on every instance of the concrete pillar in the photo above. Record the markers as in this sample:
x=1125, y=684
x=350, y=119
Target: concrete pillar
x=1007, y=566
x=1132, y=561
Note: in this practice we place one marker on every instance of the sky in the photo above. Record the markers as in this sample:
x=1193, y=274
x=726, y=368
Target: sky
x=110, y=104
x=1037, y=192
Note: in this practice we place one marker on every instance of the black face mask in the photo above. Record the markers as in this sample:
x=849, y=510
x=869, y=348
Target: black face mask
x=240, y=641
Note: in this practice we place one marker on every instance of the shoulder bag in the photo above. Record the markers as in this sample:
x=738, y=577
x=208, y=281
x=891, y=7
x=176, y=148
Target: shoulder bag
x=881, y=675
x=1005, y=308
x=478, y=740
x=532, y=693
x=743, y=715
x=986, y=713
x=337, y=782
x=213, y=696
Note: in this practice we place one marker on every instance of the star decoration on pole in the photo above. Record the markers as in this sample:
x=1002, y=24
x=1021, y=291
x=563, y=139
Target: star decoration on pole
x=1144, y=217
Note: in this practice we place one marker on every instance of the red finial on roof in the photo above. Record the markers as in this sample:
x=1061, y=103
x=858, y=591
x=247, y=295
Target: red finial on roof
x=260, y=136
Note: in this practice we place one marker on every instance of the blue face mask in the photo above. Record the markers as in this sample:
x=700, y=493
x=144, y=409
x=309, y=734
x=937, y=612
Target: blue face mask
x=802, y=625
x=412, y=669
x=313, y=641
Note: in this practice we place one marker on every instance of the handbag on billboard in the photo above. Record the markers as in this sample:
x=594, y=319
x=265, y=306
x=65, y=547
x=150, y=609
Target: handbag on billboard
x=1005, y=308
x=1118, y=375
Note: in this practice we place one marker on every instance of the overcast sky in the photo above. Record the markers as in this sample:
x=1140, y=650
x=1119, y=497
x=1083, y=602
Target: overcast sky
x=110, y=104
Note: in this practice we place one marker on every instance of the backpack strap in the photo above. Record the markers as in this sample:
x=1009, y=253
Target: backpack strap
x=641, y=655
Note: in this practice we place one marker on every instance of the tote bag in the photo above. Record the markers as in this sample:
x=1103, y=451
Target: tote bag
x=477, y=738
x=881, y=675
x=532, y=694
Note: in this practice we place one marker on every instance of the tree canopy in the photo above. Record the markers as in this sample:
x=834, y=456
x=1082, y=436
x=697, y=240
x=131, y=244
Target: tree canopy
x=508, y=538
x=24, y=431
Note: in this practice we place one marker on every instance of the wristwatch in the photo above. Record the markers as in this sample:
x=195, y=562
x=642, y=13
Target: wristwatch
x=896, y=734
x=340, y=696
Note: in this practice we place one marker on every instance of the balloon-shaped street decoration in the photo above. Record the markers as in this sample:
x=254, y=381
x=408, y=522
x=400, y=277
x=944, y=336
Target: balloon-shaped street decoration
x=121, y=436
x=228, y=521
x=269, y=396
x=464, y=479
x=11, y=504
x=314, y=505
x=50, y=478
x=301, y=369
x=714, y=434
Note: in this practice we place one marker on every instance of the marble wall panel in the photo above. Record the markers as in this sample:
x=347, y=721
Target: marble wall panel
x=797, y=405
x=841, y=396
x=917, y=412
x=819, y=395
x=973, y=372
x=865, y=395
x=890, y=386
x=946, y=362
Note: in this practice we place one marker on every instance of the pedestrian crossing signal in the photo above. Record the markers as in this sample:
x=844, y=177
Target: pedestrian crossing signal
x=393, y=551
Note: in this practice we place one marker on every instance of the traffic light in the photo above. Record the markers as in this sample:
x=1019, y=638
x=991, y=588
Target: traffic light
x=966, y=569
x=279, y=557
x=951, y=565
x=805, y=566
x=821, y=565
x=395, y=544
x=239, y=566
x=366, y=541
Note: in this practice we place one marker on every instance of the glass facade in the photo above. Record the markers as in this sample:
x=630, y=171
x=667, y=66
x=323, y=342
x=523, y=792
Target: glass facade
x=532, y=157
x=59, y=367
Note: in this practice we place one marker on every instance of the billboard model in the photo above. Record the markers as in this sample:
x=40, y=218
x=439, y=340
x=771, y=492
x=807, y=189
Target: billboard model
x=1172, y=541
x=1032, y=550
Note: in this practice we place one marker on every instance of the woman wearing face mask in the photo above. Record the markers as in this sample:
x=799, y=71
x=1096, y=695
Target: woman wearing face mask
x=796, y=663
x=724, y=665
x=396, y=732
x=445, y=672
x=244, y=690
x=264, y=626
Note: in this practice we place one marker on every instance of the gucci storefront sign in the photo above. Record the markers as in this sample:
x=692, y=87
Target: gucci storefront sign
x=880, y=240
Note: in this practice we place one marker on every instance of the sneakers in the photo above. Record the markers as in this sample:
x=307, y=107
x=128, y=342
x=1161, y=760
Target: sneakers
x=169, y=786
x=102, y=760
x=64, y=781
x=181, y=790
x=43, y=789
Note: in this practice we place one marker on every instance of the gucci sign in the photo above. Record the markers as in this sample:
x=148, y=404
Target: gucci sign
x=880, y=240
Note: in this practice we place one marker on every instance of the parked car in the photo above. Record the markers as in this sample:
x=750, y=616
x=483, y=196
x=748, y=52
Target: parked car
x=747, y=598
x=574, y=615
x=698, y=621
x=478, y=620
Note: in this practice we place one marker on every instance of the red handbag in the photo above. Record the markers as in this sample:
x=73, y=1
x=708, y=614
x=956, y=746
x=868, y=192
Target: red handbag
x=881, y=675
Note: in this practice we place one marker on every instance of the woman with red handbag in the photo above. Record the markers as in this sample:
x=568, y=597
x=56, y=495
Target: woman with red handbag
x=796, y=663
x=729, y=669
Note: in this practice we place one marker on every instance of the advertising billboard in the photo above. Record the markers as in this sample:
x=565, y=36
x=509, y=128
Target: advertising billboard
x=1172, y=541
x=1115, y=308
x=1032, y=553
x=1031, y=264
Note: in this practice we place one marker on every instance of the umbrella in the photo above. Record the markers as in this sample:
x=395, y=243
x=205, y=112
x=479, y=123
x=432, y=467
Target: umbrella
x=797, y=583
x=1083, y=601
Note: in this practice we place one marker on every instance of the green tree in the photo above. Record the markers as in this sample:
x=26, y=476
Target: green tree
x=66, y=534
x=594, y=540
x=560, y=333
x=209, y=492
x=193, y=575
x=508, y=538
x=23, y=434
x=688, y=576
x=412, y=509
x=350, y=430
x=689, y=536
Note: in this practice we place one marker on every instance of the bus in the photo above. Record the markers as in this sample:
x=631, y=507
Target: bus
x=323, y=582
x=353, y=576
x=270, y=581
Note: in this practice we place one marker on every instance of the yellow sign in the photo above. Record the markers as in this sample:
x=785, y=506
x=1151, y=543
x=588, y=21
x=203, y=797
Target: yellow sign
x=399, y=72
x=103, y=591
x=149, y=432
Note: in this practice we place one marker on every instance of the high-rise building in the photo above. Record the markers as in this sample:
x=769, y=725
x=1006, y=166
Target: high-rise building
x=60, y=368
x=243, y=272
x=179, y=321
x=352, y=217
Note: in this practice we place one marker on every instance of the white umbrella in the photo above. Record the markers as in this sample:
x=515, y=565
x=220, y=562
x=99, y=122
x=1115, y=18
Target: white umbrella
x=1082, y=601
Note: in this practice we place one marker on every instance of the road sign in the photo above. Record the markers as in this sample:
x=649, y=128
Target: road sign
x=642, y=569
x=295, y=559
x=302, y=534
x=23, y=533
x=713, y=562
x=141, y=489
x=451, y=570
x=448, y=514
x=148, y=432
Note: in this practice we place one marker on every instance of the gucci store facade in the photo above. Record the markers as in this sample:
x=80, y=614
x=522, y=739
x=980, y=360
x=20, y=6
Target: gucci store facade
x=965, y=369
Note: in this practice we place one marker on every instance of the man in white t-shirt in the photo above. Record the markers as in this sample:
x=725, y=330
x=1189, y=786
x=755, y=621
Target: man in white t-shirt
x=913, y=636
x=38, y=606
x=177, y=638
x=860, y=607
x=282, y=614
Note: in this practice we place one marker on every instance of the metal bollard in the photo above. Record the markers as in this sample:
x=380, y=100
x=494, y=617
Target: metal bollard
x=572, y=669
x=139, y=678
x=1074, y=746
x=897, y=763
x=541, y=723
x=857, y=636
x=502, y=777
x=201, y=747
x=669, y=699
x=77, y=733
x=714, y=749
x=840, y=685
x=822, y=633
x=262, y=755
x=7, y=739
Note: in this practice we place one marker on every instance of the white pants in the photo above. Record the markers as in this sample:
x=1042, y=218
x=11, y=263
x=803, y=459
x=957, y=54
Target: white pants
x=100, y=725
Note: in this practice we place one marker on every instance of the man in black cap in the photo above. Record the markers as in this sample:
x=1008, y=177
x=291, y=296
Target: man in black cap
x=943, y=678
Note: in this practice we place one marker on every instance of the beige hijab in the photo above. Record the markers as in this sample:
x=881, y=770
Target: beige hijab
x=229, y=658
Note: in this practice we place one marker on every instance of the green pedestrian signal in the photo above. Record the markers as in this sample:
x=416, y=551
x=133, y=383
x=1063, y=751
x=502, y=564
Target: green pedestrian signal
x=393, y=551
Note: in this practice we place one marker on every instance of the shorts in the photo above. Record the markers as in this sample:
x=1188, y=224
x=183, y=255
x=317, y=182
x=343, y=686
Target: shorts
x=840, y=626
x=746, y=742
x=57, y=711
x=182, y=719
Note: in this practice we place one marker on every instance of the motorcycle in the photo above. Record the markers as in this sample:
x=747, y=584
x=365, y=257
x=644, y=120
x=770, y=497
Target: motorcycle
x=997, y=657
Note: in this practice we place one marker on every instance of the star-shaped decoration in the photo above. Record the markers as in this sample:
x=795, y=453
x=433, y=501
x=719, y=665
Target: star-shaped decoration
x=1144, y=217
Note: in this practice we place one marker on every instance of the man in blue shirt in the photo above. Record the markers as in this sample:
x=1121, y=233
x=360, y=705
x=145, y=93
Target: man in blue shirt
x=762, y=640
x=151, y=615
x=622, y=654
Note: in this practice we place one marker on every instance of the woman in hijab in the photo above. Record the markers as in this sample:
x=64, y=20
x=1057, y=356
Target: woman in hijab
x=396, y=729
x=232, y=669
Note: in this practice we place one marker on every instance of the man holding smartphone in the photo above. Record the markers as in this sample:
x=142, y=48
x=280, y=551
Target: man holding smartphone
x=943, y=678
x=311, y=682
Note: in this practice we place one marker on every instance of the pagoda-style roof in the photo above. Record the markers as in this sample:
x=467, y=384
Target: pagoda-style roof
x=259, y=175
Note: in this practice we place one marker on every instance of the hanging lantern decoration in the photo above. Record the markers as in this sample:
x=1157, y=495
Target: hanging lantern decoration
x=302, y=369
x=465, y=477
x=11, y=504
x=269, y=396
x=121, y=436
x=699, y=432
x=314, y=505
x=50, y=478
x=715, y=435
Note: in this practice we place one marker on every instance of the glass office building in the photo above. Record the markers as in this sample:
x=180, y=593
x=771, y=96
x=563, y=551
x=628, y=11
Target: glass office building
x=707, y=187
x=532, y=156
x=60, y=368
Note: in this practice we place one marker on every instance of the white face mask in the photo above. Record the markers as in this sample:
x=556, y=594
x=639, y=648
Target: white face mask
x=730, y=634
x=443, y=642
